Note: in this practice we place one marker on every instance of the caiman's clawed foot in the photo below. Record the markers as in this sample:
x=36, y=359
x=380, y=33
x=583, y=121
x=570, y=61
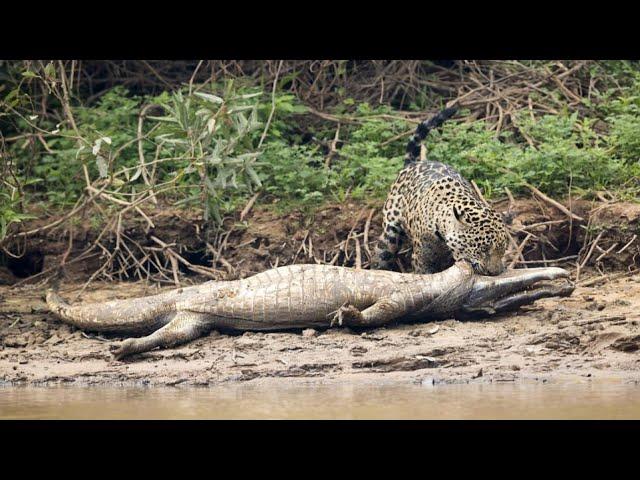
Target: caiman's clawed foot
x=122, y=349
x=346, y=315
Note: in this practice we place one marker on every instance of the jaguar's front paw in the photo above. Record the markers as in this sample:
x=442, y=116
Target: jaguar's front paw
x=346, y=315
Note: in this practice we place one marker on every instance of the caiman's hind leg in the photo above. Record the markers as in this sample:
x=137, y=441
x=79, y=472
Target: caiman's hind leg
x=184, y=327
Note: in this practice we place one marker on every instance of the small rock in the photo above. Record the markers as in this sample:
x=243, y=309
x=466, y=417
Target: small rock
x=596, y=306
x=31, y=339
x=309, y=332
x=627, y=344
x=358, y=350
x=515, y=367
x=450, y=323
x=478, y=375
x=16, y=342
x=555, y=318
x=434, y=330
x=53, y=340
x=622, y=303
x=371, y=336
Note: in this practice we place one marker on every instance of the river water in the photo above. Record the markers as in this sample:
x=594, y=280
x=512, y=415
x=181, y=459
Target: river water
x=588, y=400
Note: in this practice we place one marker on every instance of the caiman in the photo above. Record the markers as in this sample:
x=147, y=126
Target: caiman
x=308, y=296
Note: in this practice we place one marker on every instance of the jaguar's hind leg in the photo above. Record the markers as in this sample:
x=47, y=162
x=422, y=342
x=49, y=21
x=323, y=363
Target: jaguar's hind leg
x=392, y=236
x=422, y=258
x=388, y=245
x=430, y=255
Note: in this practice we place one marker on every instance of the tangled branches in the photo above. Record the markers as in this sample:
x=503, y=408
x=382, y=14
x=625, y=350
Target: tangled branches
x=496, y=92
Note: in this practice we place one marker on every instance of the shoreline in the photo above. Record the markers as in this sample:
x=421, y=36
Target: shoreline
x=593, y=334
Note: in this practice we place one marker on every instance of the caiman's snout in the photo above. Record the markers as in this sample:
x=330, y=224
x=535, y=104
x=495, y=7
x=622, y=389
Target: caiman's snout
x=491, y=288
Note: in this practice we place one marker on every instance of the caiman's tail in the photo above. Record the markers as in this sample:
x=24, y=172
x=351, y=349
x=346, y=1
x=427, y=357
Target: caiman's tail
x=413, y=147
x=121, y=316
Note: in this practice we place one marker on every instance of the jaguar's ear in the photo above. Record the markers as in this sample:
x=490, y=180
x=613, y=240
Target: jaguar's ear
x=460, y=216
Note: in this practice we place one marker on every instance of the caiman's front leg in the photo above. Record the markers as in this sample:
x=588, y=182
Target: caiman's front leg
x=184, y=327
x=380, y=313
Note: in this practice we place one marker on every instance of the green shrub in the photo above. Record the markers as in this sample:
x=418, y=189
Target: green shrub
x=212, y=148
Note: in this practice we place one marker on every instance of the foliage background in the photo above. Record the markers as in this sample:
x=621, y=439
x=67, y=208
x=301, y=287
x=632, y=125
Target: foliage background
x=122, y=138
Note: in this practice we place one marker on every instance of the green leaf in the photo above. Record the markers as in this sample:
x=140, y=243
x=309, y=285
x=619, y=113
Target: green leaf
x=254, y=176
x=50, y=70
x=209, y=97
x=163, y=119
x=250, y=95
x=240, y=108
x=136, y=175
x=103, y=166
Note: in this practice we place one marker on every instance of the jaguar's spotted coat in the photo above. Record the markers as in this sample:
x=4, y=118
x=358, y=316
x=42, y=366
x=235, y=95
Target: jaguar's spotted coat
x=435, y=208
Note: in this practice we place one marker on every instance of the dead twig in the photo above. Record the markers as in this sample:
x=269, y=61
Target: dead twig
x=273, y=105
x=627, y=245
x=519, y=250
x=594, y=281
x=358, y=255
x=248, y=206
x=333, y=148
x=606, y=252
x=553, y=203
x=580, y=265
x=479, y=193
x=367, y=225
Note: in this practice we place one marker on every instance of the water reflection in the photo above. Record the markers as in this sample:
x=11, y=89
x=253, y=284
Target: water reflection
x=359, y=401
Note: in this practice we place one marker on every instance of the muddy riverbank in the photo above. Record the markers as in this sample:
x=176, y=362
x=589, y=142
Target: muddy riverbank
x=593, y=334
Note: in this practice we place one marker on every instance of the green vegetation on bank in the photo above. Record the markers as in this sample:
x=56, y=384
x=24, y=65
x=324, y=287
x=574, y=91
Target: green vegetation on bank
x=214, y=146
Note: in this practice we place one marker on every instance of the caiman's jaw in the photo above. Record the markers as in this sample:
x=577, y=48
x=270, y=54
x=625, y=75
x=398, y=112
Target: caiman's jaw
x=513, y=288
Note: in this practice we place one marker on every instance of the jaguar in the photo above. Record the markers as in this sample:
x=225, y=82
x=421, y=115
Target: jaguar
x=436, y=209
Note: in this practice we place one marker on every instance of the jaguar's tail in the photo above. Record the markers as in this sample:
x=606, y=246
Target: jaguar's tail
x=413, y=147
